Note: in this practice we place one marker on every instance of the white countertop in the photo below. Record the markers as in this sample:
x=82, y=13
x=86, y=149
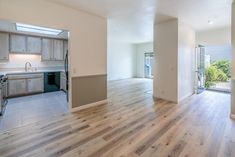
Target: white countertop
x=29, y=72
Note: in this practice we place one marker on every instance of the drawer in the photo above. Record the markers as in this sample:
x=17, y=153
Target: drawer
x=24, y=76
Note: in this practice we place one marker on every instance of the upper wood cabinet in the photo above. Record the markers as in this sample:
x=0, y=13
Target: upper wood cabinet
x=47, y=49
x=4, y=48
x=17, y=43
x=34, y=45
x=52, y=50
x=25, y=44
x=58, y=50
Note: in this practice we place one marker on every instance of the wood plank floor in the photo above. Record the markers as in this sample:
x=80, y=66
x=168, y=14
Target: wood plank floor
x=132, y=124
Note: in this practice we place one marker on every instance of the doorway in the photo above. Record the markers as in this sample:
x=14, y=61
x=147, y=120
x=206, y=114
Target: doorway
x=148, y=64
x=218, y=69
x=213, y=68
x=35, y=61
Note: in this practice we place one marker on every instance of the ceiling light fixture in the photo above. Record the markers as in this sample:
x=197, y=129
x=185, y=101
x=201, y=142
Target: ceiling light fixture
x=37, y=29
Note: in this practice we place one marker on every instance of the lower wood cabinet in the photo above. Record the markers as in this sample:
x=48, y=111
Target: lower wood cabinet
x=35, y=85
x=25, y=84
x=16, y=87
x=63, y=81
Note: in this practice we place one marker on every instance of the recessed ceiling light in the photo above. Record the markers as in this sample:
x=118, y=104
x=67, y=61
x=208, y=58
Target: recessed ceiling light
x=210, y=22
x=37, y=29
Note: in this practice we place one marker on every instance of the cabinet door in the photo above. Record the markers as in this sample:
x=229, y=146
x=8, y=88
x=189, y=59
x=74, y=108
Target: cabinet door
x=47, y=49
x=34, y=45
x=35, y=85
x=58, y=50
x=18, y=43
x=16, y=87
x=4, y=46
x=62, y=81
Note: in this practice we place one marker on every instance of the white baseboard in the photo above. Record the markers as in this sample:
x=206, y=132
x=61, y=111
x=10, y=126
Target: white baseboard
x=89, y=105
x=232, y=116
x=185, y=97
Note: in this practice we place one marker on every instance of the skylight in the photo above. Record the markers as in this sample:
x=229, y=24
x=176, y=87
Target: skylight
x=37, y=29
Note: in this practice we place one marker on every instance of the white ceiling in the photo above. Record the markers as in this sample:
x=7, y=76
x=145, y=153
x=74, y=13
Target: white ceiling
x=132, y=20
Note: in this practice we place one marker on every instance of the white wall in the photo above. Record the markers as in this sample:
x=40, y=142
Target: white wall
x=220, y=36
x=140, y=50
x=17, y=61
x=166, y=46
x=174, y=45
x=121, y=56
x=88, y=33
x=186, y=48
x=121, y=60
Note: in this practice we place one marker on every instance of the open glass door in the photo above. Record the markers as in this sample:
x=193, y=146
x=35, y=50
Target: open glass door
x=218, y=71
x=148, y=64
x=200, y=63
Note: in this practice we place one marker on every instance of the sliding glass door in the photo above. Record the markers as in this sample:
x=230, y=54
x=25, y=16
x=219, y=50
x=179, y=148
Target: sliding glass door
x=148, y=64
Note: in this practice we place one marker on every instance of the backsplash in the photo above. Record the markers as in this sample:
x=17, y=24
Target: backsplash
x=17, y=61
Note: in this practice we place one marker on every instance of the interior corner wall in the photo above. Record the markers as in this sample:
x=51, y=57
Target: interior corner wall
x=165, y=68
x=141, y=49
x=121, y=60
x=186, y=54
x=174, y=43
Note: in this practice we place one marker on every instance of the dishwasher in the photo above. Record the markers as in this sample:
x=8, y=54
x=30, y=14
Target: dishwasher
x=51, y=81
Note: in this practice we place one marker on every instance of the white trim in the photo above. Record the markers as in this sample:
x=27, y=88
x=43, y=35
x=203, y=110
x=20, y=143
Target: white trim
x=89, y=105
x=185, y=97
x=232, y=116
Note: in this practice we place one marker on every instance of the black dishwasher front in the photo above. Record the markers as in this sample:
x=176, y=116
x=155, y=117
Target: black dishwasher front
x=51, y=81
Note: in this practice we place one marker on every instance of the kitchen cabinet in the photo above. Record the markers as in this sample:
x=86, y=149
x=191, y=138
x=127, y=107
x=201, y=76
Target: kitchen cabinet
x=63, y=81
x=58, y=50
x=24, y=84
x=4, y=47
x=34, y=45
x=16, y=87
x=17, y=43
x=35, y=85
x=47, y=49
x=52, y=50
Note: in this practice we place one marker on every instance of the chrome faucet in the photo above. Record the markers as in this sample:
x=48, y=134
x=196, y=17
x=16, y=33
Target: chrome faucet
x=26, y=66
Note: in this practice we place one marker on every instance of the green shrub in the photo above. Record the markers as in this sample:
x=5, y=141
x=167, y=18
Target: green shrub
x=214, y=74
x=221, y=76
x=209, y=84
x=211, y=73
x=223, y=65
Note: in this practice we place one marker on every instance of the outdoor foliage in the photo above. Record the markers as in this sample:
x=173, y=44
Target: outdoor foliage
x=219, y=71
x=223, y=65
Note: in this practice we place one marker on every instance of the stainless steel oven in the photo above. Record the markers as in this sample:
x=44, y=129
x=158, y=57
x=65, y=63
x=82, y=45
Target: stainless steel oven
x=3, y=94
